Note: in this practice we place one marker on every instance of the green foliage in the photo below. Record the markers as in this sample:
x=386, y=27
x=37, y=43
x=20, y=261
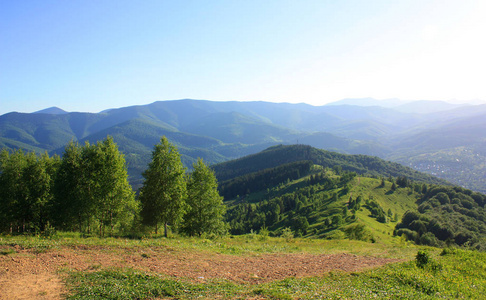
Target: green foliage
x=88, y=186
x=377, y=211
x=422, y=259
x=264, y=179
x=205, y=208
x=92, y=188
x=69, y=209
x=447, y=215
x=287, y=234
x=264, y=233
x=26, y=183
x=320, y=203
x=278, y=155
x=118, y=284
x=358, y=232
x=164, y=189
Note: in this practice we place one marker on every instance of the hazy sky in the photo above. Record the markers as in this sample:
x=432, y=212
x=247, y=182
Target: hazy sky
x=91, y=55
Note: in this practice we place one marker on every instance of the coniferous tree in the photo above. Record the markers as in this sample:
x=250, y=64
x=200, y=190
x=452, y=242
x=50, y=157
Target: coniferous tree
x=205, y=206
x=164, y=190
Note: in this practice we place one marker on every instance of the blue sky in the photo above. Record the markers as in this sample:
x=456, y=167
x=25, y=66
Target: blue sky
x=92, y=55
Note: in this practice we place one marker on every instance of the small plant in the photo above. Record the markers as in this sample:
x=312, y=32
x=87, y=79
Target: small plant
x=447, y=251
x=287, y=234
x=7, y=251
x=264, y=233
x=49, y=231
x=251, y=236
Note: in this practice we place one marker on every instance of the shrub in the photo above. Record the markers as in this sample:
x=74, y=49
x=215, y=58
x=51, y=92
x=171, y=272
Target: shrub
x=287, y=234
x=358, y=232
x=422, y=259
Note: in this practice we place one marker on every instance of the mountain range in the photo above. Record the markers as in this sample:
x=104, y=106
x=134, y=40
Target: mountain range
x=435, y=137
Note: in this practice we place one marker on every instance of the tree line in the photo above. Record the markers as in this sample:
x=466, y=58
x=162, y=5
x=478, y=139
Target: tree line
x=87, y=190
x=264, y=179
x=447, y=216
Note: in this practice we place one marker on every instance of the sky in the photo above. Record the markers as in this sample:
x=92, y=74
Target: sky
x=87, y=55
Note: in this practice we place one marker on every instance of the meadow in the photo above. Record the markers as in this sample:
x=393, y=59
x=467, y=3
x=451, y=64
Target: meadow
x=251, y=266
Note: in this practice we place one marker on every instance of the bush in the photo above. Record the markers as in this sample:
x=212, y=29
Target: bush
x=422, y=259
x=429, y=239
x=287, y=234
x=264, y=233
x=358, y=232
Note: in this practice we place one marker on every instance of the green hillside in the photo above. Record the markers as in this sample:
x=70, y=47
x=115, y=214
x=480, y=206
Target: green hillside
x=281, y=154
x=331, y=206
x=332, y=196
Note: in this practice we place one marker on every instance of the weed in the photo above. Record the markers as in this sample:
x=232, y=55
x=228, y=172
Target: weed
x=287, y=234
x=7, y=251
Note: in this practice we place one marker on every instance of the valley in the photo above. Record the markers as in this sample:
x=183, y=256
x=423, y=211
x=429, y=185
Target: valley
x=426, y=135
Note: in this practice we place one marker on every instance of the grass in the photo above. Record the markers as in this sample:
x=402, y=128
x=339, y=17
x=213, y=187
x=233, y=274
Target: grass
x=251, y=244
x=462, y=274
x=452, y=274
x=7, y=251
x=399, y=202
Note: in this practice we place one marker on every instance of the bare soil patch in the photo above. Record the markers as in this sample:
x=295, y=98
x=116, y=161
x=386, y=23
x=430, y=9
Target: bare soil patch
x=30, y=275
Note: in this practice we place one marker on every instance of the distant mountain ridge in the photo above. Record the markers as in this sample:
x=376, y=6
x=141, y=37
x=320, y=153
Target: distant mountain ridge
x=52, y=111
x=220, y=131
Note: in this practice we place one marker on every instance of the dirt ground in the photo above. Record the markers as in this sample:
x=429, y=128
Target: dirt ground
x=30, y=275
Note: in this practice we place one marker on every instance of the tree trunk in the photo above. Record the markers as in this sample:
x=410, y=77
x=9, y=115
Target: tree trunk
x=165, y=229
x=111, y=223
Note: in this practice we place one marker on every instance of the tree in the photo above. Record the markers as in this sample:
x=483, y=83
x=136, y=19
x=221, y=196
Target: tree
x=38, y=181
x=26, y=181
x=205, y=206
x=11, y=187
x=114, y=199
x=92, y=186
x=164, y=190
x=382, y=184
x=69, y=210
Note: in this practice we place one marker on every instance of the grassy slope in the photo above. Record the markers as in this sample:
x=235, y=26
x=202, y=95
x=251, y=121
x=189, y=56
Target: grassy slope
x=398, y=201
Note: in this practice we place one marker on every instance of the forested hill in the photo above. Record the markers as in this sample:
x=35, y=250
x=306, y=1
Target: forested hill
x=314, y=193
x=284, y=154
